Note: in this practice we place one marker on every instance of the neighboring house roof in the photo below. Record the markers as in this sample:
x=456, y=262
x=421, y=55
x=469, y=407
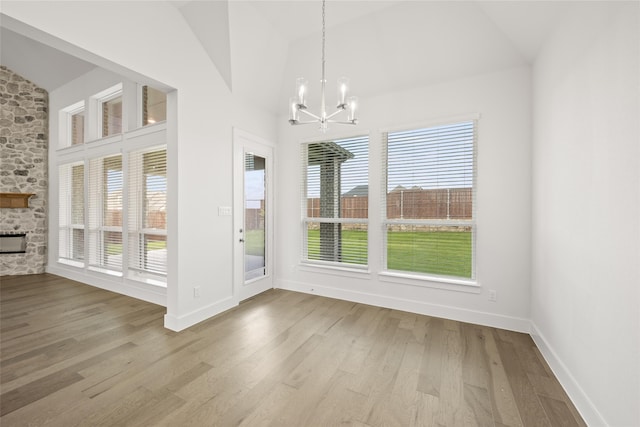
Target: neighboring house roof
x=401, y=188
x=357, y=191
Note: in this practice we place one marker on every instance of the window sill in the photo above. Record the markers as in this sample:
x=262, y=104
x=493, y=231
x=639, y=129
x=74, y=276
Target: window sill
x=69, y=149
x=71, y=263
x=105, y=140
x=146, y=130
x=337, y=270
x=435, y=282
x=106, y=271
x=146, y=278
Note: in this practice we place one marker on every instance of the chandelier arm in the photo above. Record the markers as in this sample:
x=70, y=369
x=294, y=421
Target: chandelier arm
x=335, y=113
x=351, y=122
x=310, y=114
x=305, y=122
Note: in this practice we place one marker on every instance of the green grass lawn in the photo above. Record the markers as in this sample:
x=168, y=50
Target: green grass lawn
x=254, y=242
x=152, y=245
x=435, y=252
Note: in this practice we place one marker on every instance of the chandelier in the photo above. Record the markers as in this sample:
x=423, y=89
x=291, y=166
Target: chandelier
x=298, y=103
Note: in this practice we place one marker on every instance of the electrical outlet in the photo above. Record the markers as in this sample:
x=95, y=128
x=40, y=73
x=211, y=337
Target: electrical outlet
x=493, y=294
x=196, y=292
x=224, y=211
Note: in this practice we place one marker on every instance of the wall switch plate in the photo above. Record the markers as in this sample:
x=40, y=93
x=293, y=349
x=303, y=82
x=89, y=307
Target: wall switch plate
x=493, y=294
x=224, y=210
x=196, y=292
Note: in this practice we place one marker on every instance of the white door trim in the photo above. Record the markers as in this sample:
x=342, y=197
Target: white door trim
x=242, y=142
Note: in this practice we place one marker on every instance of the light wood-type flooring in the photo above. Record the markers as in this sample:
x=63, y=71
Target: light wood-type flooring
x=73, y=354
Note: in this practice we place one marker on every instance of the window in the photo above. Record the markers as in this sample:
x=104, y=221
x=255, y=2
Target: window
x=112, y=116
x=72, y=125
x=77, y=128
x=105, y=213
x=430, y=193
x=71, y=212
x=148, y=211
x=336, y=199
x=154, y=106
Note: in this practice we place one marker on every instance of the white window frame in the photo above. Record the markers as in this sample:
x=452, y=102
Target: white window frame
x=418, y=278
x=135, y=207
x=100, y=98
x=96, y=189
x=140, y=106
x=305, y=219
x=65, y=125
x=66, y=225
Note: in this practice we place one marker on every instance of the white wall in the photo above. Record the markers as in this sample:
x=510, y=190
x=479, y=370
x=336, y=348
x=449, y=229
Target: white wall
x=586, y=210
x=503, y=201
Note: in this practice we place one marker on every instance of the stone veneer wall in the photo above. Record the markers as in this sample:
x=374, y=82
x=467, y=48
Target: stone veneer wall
x=23, y=169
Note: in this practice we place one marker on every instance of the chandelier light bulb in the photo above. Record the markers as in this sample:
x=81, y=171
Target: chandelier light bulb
x=352, y=107
x=343, y=89
x=301, y=91
x=293, y=110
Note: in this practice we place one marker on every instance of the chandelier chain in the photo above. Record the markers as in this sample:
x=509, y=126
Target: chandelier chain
x=323, y=38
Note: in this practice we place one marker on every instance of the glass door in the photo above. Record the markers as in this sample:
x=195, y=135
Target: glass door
x=253, y=218
x=255, y=262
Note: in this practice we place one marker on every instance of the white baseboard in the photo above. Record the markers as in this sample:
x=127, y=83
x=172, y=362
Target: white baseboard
x=153, y=294
x=580, y=400
x=179, y=323
x=454, y=313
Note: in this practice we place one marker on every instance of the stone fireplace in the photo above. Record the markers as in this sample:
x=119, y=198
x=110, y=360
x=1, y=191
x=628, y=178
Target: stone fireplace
x=23, y=169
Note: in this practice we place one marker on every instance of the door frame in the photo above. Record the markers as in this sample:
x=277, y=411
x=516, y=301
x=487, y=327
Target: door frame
x=244, y=142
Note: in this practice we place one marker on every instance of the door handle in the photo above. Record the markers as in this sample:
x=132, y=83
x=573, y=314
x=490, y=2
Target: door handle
x=241, y=240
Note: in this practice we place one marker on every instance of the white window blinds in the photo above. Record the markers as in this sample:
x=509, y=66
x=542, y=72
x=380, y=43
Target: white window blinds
x=147, y=211
x=336, y=200
x=71, y=212
x=430, y=199
x=105, y=213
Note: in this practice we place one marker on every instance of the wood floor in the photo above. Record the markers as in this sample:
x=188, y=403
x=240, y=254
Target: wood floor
x=73, y=355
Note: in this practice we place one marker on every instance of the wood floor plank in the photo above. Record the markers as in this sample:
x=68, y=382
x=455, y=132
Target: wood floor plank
x=451, y=402
x=430, y=375
x=74, y=355
x=425, y=410
x=321, y=373
x=505, y=410
x=337, y=404
x=36, y=390
x=558, y=412
x=479, y=404
x=383, y=406
x=529, y=406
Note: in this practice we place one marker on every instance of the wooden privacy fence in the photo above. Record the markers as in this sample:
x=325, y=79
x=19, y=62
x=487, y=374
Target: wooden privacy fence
x=153, y=219
x=441, y=203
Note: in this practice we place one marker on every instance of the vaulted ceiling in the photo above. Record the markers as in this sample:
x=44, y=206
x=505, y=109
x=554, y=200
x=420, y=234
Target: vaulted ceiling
x=261, y=47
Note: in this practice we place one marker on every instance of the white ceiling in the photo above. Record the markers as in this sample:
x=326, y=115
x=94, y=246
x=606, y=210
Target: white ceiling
x=46, y=67
x=381, y=45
